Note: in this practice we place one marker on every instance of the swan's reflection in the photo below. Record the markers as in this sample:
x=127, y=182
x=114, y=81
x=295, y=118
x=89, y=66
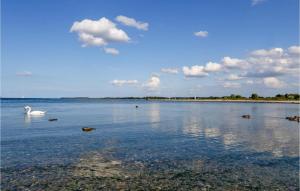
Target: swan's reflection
x=27, y=119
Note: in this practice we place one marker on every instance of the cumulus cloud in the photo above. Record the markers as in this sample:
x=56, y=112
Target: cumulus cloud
x=123, y=82
x=231, y=85
x=274, y=52
x=212, y=67
x=274, y=62
x=249, y=82
x=265, y=64
x=24, y=74
x=201, y=71
x=194, y=71
x=153, y=83
x=132, y=22
x=294, y=50
x=112, y=51
x=170, y=70
x=232, y=63
x=273, y=82
x=201, y=34
x=98, y=32
x=233, y=77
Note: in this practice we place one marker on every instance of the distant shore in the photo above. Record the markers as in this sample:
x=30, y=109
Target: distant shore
x=164, y=99
x=229, y=101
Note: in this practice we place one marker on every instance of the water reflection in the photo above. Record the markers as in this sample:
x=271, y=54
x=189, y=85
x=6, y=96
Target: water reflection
x=229, y=140
x=212, y=132
x=266, y=131
x=154, y=115
x=191, y=126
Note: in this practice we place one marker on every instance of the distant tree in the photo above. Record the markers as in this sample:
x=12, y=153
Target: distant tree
x=254, y=96
x=232, y=96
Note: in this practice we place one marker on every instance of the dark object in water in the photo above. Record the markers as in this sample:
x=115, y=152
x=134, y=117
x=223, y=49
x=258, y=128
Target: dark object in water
x=294, y=118
x=246, y=116
x=87, y=129
x=136, y=106
x=52, y=119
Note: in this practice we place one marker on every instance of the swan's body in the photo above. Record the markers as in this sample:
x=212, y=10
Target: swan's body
x=29, y=112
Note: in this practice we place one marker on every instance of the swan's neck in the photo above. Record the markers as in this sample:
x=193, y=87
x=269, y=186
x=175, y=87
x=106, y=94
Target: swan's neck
x=28, y=110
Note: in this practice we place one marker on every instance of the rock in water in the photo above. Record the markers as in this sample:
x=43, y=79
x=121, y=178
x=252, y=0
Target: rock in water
x=294, y=118
x=52, y=119
x=246, y=116
x=87, y=129
x=96, y=165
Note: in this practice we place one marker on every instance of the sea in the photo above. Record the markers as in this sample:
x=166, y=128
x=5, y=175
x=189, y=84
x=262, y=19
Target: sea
x=139, y=144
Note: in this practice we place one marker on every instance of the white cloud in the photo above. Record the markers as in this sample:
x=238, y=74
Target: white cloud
x=24, y=74
x=273, y=62
x=153, y=83
x=233, y=77
x=294, y=50
x=123, y=82
x=231, y=85
x=194, y=71
x=273, y=82
x=229, y=62
x=132, y=22
x=202, y=34
x=255, y=2
x=249, y=82
x=170, y=70
x=112, y=51
x=212, y=67
x=98, y=32
x=201, y=71
x=274, y=52
x=264, y=64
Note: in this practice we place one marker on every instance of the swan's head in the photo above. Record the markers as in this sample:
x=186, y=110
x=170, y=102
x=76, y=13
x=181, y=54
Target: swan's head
x=27, y=108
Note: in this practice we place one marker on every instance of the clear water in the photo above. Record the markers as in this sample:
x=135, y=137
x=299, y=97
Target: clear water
x=166, y=137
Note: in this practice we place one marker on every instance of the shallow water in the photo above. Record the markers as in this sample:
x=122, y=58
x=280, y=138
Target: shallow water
x=160, y=145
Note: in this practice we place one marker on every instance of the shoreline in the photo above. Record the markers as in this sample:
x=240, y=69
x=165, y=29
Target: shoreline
x=228, y=101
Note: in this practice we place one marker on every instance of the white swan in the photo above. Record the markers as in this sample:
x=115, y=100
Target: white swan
x=29, y=112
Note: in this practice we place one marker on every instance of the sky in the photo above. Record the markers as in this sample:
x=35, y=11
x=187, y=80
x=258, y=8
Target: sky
x=113, y=48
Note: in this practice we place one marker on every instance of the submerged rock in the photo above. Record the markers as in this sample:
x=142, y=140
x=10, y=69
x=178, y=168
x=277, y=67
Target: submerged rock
x=246, y=116
x=294, y=118
x=96, y=165
x=87, y=129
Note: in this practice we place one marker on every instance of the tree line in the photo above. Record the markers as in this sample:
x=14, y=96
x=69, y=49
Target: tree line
x=253, y=96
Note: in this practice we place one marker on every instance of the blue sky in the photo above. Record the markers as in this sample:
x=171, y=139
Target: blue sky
x=137, y=48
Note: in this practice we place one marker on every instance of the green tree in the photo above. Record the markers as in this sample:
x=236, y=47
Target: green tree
x=254, y=96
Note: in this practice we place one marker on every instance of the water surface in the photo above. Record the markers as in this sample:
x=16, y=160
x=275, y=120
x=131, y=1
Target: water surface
x=159, y=145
